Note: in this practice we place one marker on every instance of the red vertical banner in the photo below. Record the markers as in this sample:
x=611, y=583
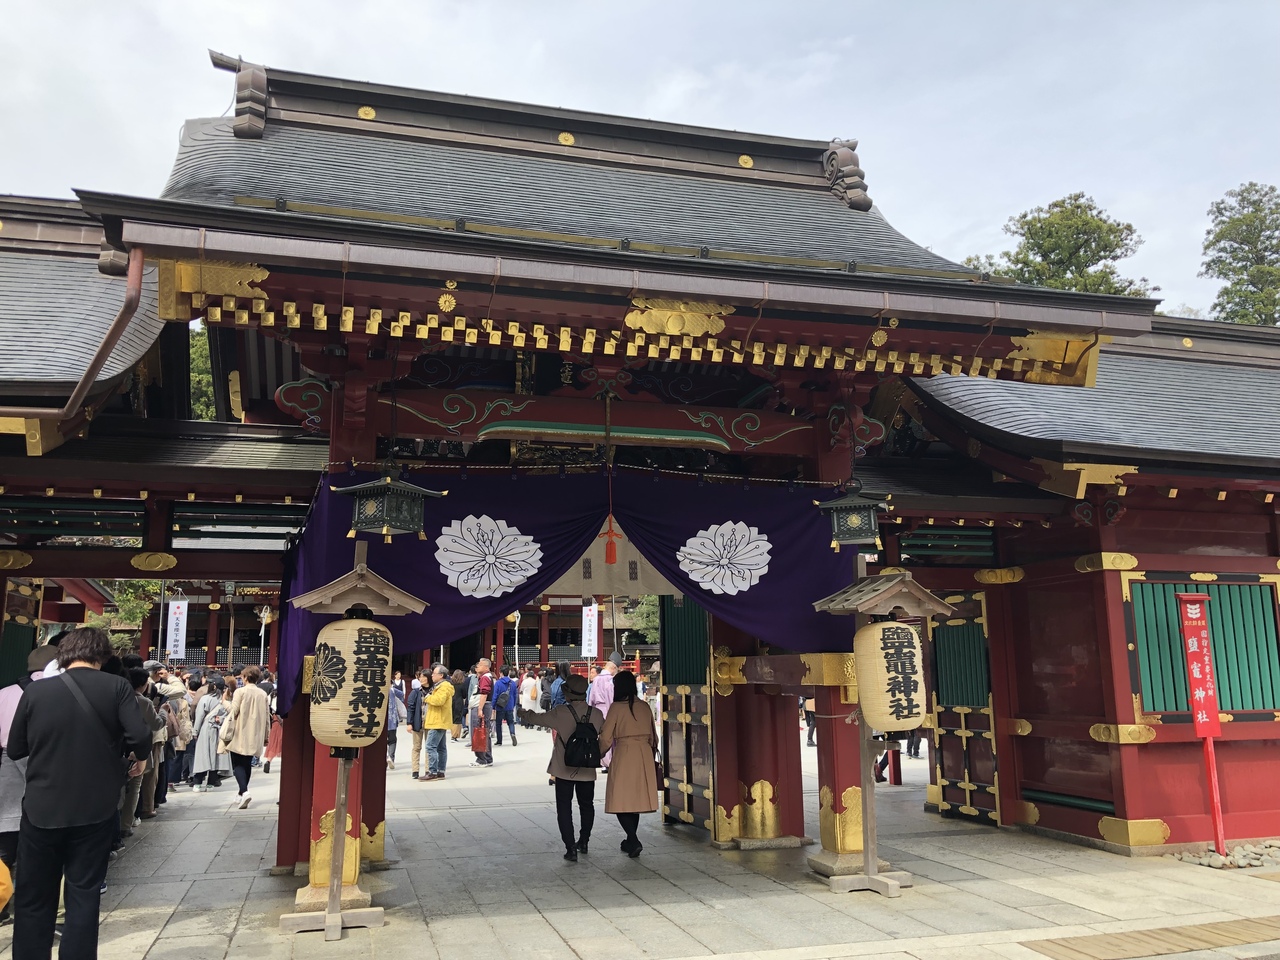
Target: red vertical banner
x=1193, y=611
x=1202, y=689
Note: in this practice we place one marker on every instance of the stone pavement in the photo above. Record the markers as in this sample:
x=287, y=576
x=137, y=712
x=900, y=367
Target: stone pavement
x=479, y=875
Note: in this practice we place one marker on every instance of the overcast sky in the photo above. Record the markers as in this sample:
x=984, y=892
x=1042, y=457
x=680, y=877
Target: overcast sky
x=967, y=112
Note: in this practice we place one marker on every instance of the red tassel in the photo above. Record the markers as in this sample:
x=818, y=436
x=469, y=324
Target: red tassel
x=610, y=538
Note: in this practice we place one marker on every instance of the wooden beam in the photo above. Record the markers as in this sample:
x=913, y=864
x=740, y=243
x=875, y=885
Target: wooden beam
x=113, y=564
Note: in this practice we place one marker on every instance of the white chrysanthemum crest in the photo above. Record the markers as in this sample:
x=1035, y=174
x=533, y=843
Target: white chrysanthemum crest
x=483, y=557
x=729, y=558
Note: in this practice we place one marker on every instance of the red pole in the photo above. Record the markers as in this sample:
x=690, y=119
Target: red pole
x=1215, y=798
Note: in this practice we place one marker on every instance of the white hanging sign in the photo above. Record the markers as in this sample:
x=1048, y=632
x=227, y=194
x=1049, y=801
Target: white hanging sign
x=176, y=635
x=590, y=631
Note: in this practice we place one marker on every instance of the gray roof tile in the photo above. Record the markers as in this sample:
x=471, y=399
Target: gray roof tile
x=533, y=192
x=1160, y=408
x=65, y=302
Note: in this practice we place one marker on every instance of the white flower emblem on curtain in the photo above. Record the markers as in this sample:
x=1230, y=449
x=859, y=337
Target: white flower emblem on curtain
x=727, y=558
x=483, y=557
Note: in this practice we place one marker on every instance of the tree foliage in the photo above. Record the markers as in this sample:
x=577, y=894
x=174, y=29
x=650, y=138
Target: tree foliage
x=644, y=618
x=1242, y=248
x=202, y=407
x=1072, y=244
x=135, y=600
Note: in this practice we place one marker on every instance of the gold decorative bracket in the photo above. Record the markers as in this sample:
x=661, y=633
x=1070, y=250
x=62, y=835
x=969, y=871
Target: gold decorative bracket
x=1125, y=734
x=1000, y=575
x=677, y=317
x=179, y=280
x=1072, y=479
x=1097, y=562
x=1133, y=833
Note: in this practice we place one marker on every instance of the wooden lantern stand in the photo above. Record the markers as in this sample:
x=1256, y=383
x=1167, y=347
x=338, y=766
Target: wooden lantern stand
x=869, y=596
x=364, y=588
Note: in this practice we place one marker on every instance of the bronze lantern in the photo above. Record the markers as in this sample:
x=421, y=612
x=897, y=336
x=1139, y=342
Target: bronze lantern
x=388, y=506
x=854, y=516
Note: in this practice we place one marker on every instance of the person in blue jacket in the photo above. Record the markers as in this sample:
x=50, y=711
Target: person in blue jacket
x=506, y=696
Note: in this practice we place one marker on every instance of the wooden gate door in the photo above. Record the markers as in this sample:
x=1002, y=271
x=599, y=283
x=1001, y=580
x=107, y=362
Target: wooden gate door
x=964, y=748
x=686, y=713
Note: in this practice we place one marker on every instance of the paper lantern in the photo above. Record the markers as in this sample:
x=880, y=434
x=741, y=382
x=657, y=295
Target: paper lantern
x=890, y=670
x=350, y=681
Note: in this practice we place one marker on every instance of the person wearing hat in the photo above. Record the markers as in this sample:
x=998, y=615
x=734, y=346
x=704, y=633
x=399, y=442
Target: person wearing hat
x=570, y=781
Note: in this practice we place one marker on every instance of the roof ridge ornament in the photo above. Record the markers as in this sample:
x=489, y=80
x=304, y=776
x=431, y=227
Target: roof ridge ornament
x=841, y=165
x=251, y=94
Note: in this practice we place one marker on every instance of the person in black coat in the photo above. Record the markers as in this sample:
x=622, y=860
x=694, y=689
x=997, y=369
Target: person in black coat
x=75, y=731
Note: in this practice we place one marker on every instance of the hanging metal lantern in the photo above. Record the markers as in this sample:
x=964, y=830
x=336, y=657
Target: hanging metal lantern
x=854, y=516
x=388, y=506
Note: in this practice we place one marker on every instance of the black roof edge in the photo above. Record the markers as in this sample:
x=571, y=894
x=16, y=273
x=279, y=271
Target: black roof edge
x=1215, y=330
x=47, y=209
x=482, y=107
x=127, y=426
x=104, y=206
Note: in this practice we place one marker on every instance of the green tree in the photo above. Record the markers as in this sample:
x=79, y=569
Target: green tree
x=1242, y=248
x=134, y=600
x=1072, y=244
x=202, y=407
x=644, y=618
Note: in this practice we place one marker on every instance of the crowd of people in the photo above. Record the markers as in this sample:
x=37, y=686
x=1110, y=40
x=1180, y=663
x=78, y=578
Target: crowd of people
x=93, y=743
x=591, y=733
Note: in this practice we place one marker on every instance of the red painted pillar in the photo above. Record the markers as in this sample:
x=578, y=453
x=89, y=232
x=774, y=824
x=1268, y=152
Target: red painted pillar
x=839, y=773
x=373, y=800
x=500, y=634
x=211, y=640
x=297, y=759
x=488, y=643
x=144, y=640
x=769, y=779
x=544, y=636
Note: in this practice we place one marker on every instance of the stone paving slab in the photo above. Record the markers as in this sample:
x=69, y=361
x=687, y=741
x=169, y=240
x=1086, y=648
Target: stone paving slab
x=478, y=874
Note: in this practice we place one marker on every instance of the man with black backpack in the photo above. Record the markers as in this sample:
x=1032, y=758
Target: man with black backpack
x=575, y=757
x=505, y=692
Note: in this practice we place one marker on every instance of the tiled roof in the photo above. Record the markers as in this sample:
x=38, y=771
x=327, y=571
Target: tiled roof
x=370, y=176
x=1144, y=407
x=55, y=310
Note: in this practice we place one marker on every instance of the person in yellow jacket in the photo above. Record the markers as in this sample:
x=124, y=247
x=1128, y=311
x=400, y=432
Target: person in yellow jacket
x=438, y=721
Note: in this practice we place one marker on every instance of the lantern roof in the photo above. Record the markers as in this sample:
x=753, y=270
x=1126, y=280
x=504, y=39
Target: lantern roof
x=386, y=482
x=882, y=595
x=360, y=586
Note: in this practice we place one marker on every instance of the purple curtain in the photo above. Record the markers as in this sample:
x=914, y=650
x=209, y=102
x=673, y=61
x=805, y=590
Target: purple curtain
x=755, y=556
x=493, y=545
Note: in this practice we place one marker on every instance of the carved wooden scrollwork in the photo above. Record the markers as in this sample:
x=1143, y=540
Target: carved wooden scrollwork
x=845, y=174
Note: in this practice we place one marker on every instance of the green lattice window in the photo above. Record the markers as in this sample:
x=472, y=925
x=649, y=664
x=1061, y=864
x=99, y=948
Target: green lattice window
x=1246, y=655
x=963, y=673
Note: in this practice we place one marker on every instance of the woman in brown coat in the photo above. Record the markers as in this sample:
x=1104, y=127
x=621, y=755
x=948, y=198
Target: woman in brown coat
x=633, y=779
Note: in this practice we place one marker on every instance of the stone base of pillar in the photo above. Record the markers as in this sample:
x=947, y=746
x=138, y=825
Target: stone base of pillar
x=772, y=843
x=839, y=864
x=317, y=898
x=332, y=923
x=886, y=884
x=843, y=873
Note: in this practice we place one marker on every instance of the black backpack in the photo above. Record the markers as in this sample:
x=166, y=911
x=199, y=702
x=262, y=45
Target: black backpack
x=582, y=749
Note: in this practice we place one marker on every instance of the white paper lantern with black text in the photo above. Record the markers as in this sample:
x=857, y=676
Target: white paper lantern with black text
x=350, y=681
x=890, y=669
